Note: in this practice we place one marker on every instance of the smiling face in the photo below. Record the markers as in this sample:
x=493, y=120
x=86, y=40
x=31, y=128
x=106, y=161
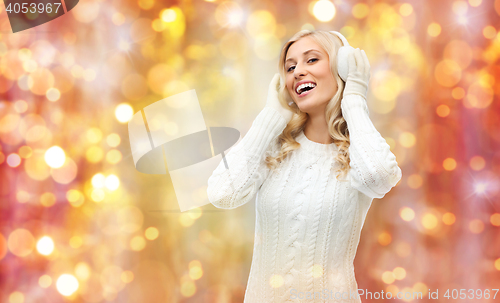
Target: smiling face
x=307, y=63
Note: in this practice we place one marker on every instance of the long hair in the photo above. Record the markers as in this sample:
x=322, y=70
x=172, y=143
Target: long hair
x=337, y=125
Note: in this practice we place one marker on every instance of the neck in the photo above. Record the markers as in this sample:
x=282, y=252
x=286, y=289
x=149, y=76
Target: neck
x=316, y=128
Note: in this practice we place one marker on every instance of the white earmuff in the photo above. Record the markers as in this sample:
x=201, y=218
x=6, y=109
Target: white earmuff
x=343, y=56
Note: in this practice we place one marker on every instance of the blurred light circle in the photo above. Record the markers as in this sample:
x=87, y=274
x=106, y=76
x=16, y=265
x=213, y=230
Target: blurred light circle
x=114, y=156
x=261, y=22
x=45, y=245
x=94, y=135
x=479, y=95
x=55, y=157
x=476, y=226
x=42, y=81
x=447, y=73
x=13, y=160
x=159, y=76
x=267, y=47
x=407, y=139
x=228, y=14
x=98, y=195
x=448, y=218
x=21, y=242
x=36, y=167
x=388, y=277
x=137, y=243
x=112, y=182
x=3, y=246
x=477, y=163
x=276, y=281
x=16, y=297
x=407, y=214
x=67, y=284
x=82, y=271
x=47, y=199
x=434, y=29
x=151, y=233
x=45, y=281
x=111, y=278
x=124, y=112
x=25, y=151
x=9, y=122
x=98, y=180
x=459, y=52
x=94, y=154
x=66, y=173
x=130, y=219
x=429, y=221
x=113, y=140
x=168, y=15
x=21, y=106
x=86, y=11
x=324, y=10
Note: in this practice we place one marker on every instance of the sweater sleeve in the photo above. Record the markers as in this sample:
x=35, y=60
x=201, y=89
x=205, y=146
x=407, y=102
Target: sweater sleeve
x=374, y=170
x=234, y=186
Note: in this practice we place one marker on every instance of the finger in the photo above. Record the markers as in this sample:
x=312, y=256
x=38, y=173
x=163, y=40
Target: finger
x=359, y=60
x=367, y=62
x=275, y=81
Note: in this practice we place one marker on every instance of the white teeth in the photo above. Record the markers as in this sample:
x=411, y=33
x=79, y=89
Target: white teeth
x=300, y=87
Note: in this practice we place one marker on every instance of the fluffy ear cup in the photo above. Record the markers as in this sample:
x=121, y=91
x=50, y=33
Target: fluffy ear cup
x=343, y=56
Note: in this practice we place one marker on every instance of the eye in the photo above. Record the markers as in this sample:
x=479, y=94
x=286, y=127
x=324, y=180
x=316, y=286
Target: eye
x=315, y=59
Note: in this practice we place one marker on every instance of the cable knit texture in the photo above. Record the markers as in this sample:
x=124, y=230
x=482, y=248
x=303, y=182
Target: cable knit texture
x=308, y=223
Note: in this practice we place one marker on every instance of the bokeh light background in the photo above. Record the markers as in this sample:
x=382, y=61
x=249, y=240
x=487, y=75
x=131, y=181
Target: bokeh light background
x=78, y=223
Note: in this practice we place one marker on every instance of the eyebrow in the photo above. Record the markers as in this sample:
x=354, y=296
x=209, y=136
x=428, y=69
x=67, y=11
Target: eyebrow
x=305, y=53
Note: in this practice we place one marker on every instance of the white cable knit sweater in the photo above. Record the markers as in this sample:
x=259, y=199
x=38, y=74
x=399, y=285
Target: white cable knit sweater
x=308, y=223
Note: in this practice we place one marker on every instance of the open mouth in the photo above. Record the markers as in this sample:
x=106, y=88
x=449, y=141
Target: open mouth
x=305, y=88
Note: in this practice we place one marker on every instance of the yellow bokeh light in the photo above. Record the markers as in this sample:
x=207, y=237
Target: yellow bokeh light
x=229, y=14
x=127, y=276
x=45, y=245
x=168, y=15
x=443, y=110
x=94, y=154
x=407, y=214
x=124, y=112
x=82, y=271
x=276, y=281
x=497, y=264
x=399, y=273
x=16, y=297
x=146, y=4
x=316, y=270
x=448, y=218
x=434, y=29
x=25, y=151
x=67, y=284
x=384, y=238
x=195, y=270
x=188, y=288
x=98, y=195
x=112, y=182
x=137, y=243
x=415, y=181
x=388, y=277
x=98, y=180
x=407, y=139
x=360, y=10
x=94, y=135
x=186, y=220
x=405, y=9
x=113, y=156
x=23, y=196
x=495, y=219
x=449, y=164
x=45, y=281
x=151, y=233
x=324, y=10
x=55, y=157
x=48, y=199
x=489, y=32
x=460, y=7
x=458, y=93
x=53, y=94
x=429, y=221
x=113, y=140
x=75, y=241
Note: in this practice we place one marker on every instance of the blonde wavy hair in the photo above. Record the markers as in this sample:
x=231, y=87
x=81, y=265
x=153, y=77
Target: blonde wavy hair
x=337, y=125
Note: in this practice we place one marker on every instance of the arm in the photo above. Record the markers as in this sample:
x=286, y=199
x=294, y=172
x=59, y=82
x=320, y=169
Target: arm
x=233, y=187
x=374, y=170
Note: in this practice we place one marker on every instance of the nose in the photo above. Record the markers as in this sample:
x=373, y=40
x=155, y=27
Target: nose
x=299, y=71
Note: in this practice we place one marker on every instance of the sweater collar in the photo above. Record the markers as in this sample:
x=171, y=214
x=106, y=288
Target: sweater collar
x=315, y=147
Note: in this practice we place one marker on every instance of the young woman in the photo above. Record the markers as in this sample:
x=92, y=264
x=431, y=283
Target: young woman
x=316, y=161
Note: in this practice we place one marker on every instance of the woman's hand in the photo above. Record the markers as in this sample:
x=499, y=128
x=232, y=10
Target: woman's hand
x=273, y=100
x=359, y=74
